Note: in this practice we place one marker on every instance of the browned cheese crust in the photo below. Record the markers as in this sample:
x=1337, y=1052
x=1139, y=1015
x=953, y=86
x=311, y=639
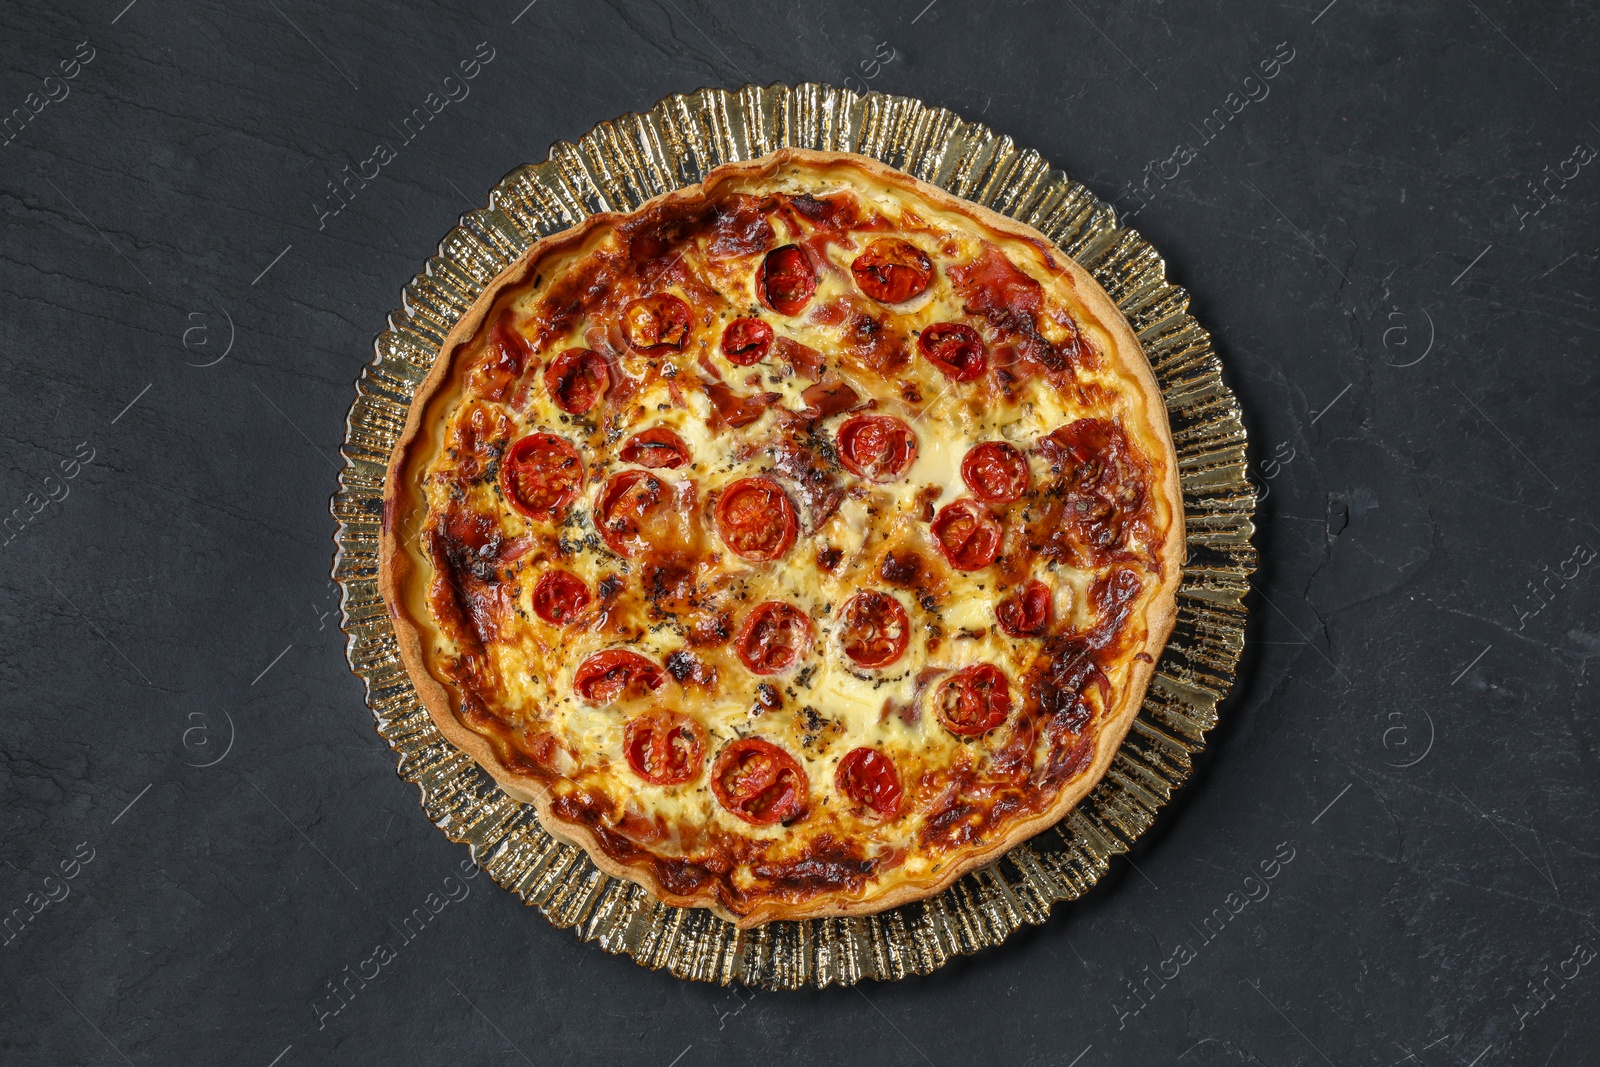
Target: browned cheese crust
x=687, y=543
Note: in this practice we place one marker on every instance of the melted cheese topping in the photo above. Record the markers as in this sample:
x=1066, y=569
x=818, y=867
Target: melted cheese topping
x=829, y=705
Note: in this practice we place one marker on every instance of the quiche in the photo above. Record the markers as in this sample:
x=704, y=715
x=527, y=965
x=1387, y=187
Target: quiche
x=794, y=544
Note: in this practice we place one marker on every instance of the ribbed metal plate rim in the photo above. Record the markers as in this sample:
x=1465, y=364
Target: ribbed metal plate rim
x=615, y=167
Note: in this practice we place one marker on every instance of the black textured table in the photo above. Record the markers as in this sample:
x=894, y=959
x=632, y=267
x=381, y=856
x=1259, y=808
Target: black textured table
x=1387, y=217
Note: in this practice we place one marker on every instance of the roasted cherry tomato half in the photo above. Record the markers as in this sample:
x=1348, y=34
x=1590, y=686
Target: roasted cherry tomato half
x=634, y=512
x=997, y=473
x=559, y=596
x=655, y=448
x=616, y=674
x=873, y=628
x=967, y=534
x=745, y=342
x=756, y=520
x=540, y=475
x=787, y=280
x=974, y=700
x=879, y=448
x=656, y=324
x=774, y=638
x=759, y=782
x=892, y=271
x=868, y=778
x=577, y=379
x=1027, y=612
x=664, y=747
x=512, y=350
x=956, y=349
x=506, y=356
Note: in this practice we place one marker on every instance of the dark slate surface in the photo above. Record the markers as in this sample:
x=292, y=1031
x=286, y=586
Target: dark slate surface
x=1393, y=241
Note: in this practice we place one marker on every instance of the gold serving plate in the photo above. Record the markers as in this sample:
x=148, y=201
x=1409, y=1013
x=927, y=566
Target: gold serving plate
x=617, y=166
